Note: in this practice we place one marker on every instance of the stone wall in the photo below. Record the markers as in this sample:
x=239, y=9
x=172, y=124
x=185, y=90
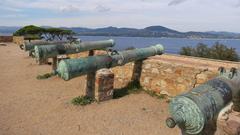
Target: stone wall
x=18, y=40
x=169, y=74
x=172, y=74
x=6, y=38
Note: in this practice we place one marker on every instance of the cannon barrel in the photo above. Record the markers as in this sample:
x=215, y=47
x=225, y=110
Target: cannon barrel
x=191, y=111
x=70, y=68
x=50, y=51
x=30, y=45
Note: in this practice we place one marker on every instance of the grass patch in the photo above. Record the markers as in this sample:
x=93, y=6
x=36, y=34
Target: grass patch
x=156, y=95
x=82, y=100
x=45, y=76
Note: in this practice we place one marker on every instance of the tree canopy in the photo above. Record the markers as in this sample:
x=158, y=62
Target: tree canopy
x=35, y=32
x=217, y=51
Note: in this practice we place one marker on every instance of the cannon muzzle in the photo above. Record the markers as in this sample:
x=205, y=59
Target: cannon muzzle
x=191, y=111
x=70, y=68
x=50, y=51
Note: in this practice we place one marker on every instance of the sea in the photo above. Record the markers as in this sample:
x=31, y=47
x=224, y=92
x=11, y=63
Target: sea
x=171, y=45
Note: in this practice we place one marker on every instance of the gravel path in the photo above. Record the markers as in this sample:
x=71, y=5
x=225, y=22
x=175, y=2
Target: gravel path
x=42, y=107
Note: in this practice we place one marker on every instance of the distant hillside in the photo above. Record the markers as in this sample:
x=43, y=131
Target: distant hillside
x=5, y=30
x=151, y=31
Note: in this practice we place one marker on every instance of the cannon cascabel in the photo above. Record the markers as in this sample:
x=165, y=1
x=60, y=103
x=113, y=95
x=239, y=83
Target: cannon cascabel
x=70, y=68
x=50, y=51
x=191, y=111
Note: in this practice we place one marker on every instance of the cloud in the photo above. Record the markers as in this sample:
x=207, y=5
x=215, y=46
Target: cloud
x=101, y=8
x=238, y=4
x=176, y=2
x=69, y=8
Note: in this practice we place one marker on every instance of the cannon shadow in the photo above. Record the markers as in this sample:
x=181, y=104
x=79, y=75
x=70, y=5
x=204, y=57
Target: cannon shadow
x=134, y=86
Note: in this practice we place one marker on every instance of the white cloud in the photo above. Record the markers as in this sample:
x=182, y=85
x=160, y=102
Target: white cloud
x=69, y=8
x=176, y=2
x=101, y=8
x=238, y=4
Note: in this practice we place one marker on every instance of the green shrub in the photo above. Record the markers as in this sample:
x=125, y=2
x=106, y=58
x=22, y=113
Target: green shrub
x=45, y=76
x=217, y=51
x=130, y=48
x=82, y=100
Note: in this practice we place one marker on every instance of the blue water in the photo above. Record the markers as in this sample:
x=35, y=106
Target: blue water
x=172, y=45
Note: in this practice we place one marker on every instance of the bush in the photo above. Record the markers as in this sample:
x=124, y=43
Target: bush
x=45, y=76
x=29, y=30
x=217, y=51
x=82, y=100
x=130, y=48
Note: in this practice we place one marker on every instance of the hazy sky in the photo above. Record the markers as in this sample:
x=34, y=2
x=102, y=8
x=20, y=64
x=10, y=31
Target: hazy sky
x=182, y=15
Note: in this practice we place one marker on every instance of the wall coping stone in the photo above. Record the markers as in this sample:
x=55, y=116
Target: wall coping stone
x=190, y=61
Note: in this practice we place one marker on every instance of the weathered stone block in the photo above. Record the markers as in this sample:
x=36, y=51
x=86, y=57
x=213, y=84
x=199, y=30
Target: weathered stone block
x=104, y=85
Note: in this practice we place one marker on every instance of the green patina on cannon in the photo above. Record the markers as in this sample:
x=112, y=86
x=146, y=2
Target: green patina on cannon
x=28, y=46
x=191, y=111
x=50, y=51
x=68, y=69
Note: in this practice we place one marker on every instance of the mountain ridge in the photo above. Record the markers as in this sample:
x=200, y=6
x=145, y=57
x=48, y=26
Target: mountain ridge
x=150, y=31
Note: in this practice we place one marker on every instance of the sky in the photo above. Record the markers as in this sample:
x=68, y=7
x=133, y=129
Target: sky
x=181, y=15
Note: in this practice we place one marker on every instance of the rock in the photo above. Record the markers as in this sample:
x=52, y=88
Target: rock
x=180, y=80
x=162, y=84
x=163, y=92
x=181, y=88
x=147, y=66
x=169, y=71
x=178, y=71
x=201, y=78
x=146, y=80
x=155, y=71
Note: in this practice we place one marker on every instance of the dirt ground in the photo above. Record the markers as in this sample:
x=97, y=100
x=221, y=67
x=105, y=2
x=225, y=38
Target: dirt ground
x=43, y=107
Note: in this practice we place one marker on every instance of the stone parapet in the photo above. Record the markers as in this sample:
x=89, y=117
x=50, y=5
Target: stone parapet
x=6, y=39
x=18, y=40
x=168, y=73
